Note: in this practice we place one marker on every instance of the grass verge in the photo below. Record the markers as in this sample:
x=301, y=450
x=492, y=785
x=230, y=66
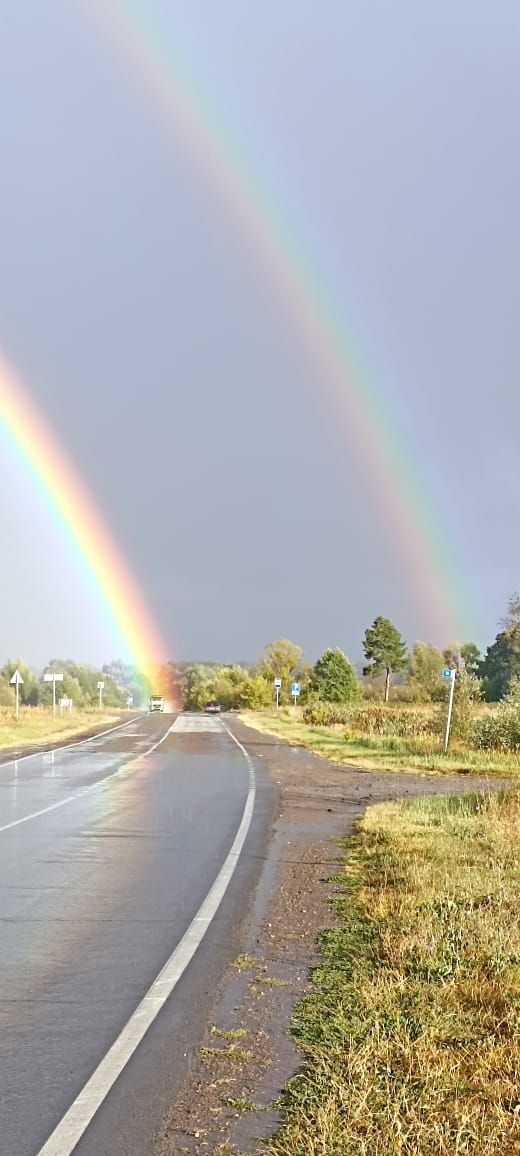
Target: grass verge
x=39, y=726
x=411, y=1035
x=380, y=753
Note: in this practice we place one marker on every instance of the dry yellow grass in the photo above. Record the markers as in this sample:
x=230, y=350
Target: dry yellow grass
x=378, y=752
x=412, y=1033
x=37, y=725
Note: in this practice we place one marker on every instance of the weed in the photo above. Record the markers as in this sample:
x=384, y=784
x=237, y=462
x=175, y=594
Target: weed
x=231, y=1052
x=229, y=1033
x=242, y=1104
x=271, y=981
x=245, y=962
x=411, y=1035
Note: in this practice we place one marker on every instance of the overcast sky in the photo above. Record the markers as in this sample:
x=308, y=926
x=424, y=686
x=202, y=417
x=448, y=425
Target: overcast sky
x=387, y=136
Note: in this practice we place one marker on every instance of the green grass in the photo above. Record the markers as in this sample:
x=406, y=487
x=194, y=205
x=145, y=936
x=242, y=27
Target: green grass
x=227, y=1052
x=411, y=1036
x=241, y=1104
x=37, y=725
x=378, y=752
x=229, y=1033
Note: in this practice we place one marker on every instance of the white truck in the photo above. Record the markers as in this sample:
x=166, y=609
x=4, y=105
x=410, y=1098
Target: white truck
x=156, y=702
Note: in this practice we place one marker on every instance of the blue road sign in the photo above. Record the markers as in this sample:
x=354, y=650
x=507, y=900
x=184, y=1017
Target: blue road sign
x=448, y=672
x=295, y=688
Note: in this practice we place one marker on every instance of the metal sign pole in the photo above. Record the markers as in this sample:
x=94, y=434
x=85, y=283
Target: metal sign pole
x=15, y=681
x=450, y=708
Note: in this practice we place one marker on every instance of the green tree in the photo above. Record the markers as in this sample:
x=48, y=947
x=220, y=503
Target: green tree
x=334, y=678
x=197, y=685
x=30, y=688
x=80, y=683
x=425, y=672
x=256, y=693
x=501, y=663
x=281, y=659
x=463, y=656
x=385, y=650
x=512, y=614
x=472, y=657
x=7, y=697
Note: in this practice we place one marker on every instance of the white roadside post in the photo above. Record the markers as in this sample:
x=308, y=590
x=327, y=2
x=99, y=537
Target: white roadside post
x=130, y=700
x=450, y=673
x=17, y=681
x=51, y=676
x=277, y=687
x=101, y=687
x=66, y=704
x=295, y=691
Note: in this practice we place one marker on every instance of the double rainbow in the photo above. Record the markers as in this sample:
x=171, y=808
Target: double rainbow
x=90, y=542
x=359, y=410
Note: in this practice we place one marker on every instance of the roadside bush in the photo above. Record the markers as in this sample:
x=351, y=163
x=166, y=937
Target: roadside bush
x=373, y=718
x=326, y=714
x=376, y=719
x=500, y=731
x=468, y=691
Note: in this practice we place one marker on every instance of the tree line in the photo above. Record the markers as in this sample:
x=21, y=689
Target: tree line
x=410, y=675
x=79, y=684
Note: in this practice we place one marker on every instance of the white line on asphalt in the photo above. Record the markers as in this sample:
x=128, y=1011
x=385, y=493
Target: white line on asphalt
x=75, y=1122
x=91, y=787
x=196, y=724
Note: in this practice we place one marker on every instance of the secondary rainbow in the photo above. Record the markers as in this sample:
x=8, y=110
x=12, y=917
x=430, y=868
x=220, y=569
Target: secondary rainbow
x=359, y=409
x=55, y=478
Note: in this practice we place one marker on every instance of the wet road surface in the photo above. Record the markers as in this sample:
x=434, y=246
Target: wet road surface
x=107, y=851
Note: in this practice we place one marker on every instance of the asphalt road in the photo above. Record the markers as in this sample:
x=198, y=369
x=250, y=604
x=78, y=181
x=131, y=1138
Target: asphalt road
x=108, y=849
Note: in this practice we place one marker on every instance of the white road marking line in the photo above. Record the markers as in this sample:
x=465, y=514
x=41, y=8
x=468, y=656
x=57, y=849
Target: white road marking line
x=85, y=790
x=196, y=724
x=76, y=1120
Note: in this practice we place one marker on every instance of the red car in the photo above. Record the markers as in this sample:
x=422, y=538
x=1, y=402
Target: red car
x=212, y=707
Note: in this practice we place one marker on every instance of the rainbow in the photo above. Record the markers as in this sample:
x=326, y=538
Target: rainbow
x=54, y=477
x=359, y=410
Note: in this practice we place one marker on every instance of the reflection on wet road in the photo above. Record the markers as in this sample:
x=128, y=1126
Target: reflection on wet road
x=107, y=850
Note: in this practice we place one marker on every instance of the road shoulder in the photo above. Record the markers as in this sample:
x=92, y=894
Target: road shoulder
x=229, y=1102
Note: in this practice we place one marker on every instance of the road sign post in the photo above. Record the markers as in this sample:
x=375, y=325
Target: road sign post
x=51, y=676
x=17, y=681
x=451, y=674
x=277, y=687
x=101, y=687
x=295, y=691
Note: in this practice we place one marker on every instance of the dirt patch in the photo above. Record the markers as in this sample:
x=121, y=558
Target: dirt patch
x=230, y=1100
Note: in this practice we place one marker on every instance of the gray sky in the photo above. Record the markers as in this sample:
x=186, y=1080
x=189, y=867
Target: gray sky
x=386, y=135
